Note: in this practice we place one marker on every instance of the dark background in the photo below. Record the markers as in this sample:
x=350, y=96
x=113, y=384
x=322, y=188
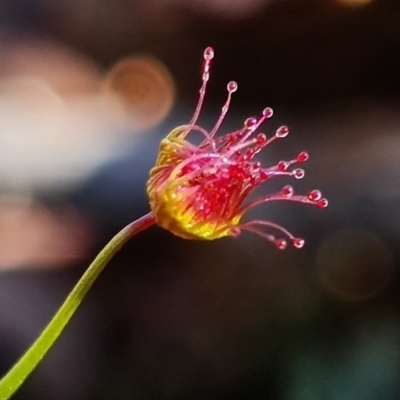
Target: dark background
x=234, y=318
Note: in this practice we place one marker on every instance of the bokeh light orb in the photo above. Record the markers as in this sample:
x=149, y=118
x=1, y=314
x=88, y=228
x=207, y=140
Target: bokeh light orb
x=65, y=70
x=144, y=90
x=354, y=264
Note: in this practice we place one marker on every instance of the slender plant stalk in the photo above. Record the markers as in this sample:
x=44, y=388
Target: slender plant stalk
x=10, y=383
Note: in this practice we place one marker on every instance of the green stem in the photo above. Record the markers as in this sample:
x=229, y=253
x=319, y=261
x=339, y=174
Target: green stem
x=10, y=383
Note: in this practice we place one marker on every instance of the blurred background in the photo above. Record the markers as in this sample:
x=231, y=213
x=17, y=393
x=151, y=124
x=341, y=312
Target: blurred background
x=87, y=90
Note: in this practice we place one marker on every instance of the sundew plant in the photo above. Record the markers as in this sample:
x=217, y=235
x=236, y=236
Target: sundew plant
x=195, y=192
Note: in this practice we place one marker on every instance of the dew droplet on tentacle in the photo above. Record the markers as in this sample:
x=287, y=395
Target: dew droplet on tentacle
x=264, y=175
x=253, y=180
x=282, y=165
x=298, y=243
x=298, y=173
x=232, y=87
x=208, y=53
x=250, y=153
x=303, y=156
x=314, y=195
x=287, y=191
x=282, y=132
x=250, y=123
x=268, y=112
x=322, y=203
x=281, y=244
x=261, y=139
x=230, y=139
